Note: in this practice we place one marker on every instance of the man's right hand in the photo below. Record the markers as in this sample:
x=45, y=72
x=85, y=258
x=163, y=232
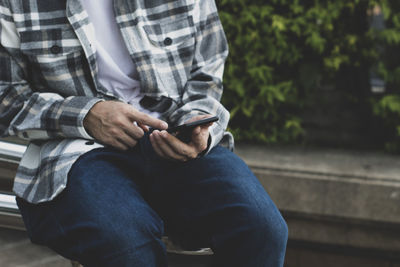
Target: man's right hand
x=113, y=123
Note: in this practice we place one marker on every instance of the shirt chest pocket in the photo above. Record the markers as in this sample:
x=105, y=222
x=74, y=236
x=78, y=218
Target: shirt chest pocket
x=171, y=34
x=55, y=59
x=166, y=55
x=51, y=43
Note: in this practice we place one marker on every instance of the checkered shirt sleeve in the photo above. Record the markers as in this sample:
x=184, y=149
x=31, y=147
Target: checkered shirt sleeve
x=28, y=114
x=204, y=87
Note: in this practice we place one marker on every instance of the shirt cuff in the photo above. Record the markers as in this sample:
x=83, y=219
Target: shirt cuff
x=84, y=134
x=215, y=137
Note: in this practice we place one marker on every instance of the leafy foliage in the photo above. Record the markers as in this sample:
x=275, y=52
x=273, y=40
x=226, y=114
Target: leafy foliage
x=387, y=107
x=281, y=51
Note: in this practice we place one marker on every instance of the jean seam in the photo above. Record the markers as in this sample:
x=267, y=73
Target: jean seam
x=129, y=250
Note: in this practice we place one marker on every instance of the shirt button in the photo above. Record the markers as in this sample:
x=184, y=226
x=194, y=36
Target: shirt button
x=55, y=49
x=168, y=41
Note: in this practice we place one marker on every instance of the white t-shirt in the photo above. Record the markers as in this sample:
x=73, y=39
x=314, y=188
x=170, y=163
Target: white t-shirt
x=116, y=69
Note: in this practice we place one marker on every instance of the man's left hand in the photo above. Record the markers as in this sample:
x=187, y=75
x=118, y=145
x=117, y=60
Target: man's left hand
x=170, y=147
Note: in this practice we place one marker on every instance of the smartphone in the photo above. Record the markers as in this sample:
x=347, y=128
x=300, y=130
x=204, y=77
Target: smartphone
x=191, y=125
x=184, y=131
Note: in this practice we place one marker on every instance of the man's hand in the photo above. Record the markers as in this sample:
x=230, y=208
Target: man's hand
x=169, y=147
x=113, y=123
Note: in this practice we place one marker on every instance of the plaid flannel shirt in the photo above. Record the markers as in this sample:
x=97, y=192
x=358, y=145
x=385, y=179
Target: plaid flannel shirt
x=48, y=76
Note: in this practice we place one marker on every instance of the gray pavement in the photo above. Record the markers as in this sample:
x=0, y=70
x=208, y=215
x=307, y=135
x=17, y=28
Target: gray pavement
x=16, y=250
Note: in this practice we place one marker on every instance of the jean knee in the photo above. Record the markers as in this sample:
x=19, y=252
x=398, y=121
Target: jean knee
x=280, y=232
x=132, y=235
x=136, y=245
x=268, y=228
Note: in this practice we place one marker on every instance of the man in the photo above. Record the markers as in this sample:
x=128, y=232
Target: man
x=83, y=81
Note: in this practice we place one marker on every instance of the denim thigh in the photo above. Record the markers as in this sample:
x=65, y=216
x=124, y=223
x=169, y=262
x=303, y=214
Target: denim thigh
x=101, y=217
x=216, y=201
x=113, y=211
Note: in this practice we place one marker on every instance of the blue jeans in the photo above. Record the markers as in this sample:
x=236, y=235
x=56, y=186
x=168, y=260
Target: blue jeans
x=114, y=208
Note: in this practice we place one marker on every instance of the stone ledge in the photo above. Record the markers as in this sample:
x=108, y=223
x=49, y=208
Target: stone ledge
x=333, y=162
x=333, y=197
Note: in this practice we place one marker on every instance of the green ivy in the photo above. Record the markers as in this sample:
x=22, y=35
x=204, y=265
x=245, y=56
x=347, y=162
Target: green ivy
x=387, y=107
x=282, y=50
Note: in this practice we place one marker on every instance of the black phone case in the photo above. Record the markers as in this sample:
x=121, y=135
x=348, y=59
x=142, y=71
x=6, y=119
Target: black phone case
x=185, y=130
x=191, y=125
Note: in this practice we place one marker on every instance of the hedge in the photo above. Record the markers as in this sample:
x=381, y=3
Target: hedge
x=282, y=51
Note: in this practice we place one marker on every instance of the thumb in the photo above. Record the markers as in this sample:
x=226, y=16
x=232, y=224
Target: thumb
x=200, y=130
x=200, y=137
x=206, y=126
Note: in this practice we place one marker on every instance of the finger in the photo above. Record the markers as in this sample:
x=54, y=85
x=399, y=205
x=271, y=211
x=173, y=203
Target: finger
x=142, y=118
x=178, y=146
x=134, y=131
x=156, y=146
x=118, y=145
x=200, y=138
x=167, y=149
x=197, y=130
x=144, y=127
x=128, y=127
x=196, y=134
x=120, y=140
x=156, y=142
x=206, y=126
x=127, y=140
